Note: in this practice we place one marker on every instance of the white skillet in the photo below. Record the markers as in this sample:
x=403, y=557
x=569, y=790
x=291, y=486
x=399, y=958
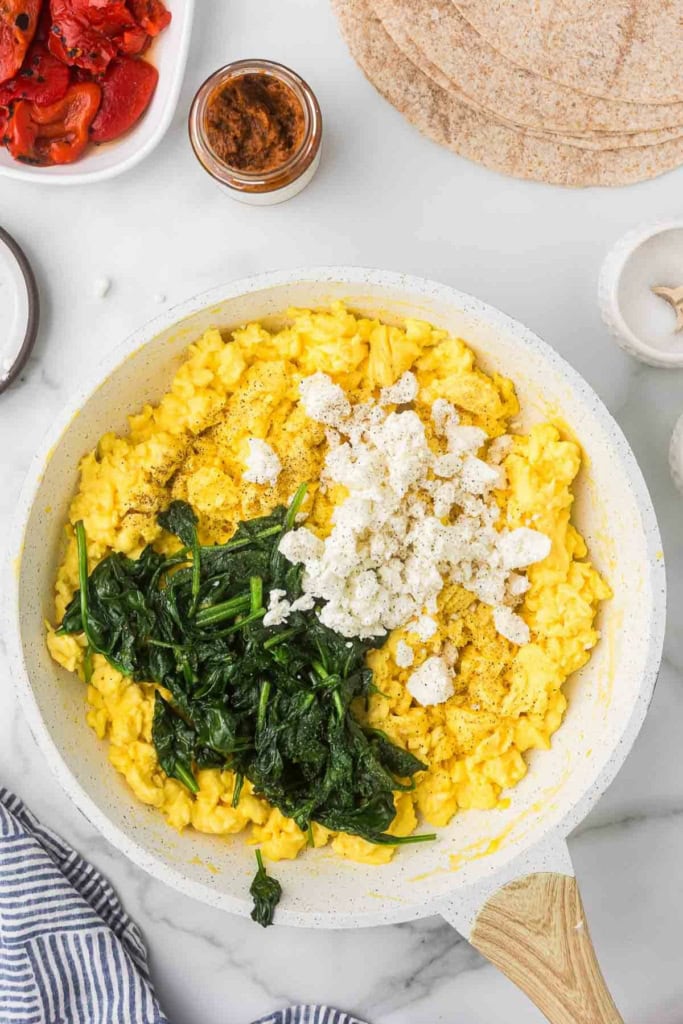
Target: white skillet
x=504, y=877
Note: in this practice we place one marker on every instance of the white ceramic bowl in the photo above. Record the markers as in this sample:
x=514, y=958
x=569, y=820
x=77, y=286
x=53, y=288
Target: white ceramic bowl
x=641, y=322
x=607, y=700
x=169, y=53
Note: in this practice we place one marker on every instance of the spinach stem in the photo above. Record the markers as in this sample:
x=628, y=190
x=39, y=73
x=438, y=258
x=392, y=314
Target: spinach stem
x=237, y=791
x=252, y=617
x=262, y=705
x=153, y=642
x=310, y=836
x=294, y=507
x=259, y=861
x=234, y=545
x=177, y=558
x=87, y=664
x=83, y=596
x=423, y=837
x=320, y=670
x=196, y=572
x=338, y=703
x=186, y=776
x=256, y=593
x=224, y=610
x=279, y=638
x=186, y=667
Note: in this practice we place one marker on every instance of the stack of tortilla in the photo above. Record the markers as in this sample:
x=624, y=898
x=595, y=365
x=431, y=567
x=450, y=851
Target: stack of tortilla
x=569, y=92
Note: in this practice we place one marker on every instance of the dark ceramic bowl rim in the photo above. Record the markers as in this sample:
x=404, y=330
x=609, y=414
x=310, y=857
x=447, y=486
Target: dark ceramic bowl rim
x=33, y=310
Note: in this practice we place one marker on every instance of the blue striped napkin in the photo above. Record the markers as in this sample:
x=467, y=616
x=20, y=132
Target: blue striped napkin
x=69, y=953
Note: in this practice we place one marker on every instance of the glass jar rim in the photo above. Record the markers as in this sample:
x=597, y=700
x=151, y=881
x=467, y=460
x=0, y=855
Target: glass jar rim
x=256, y=181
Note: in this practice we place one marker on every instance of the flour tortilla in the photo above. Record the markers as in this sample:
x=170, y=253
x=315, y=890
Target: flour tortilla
x=436, y=29
x=437, y=114
x=390, y=13
x=617, y=49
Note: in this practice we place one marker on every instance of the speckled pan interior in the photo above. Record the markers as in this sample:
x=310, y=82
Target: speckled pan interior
x=607, y=700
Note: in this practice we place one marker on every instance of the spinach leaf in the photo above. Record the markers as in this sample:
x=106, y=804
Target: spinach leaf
x=266, y=893
x=109, y=607
x=179, y=519
x=400, y=762
x=217, y=728
x=174, y=742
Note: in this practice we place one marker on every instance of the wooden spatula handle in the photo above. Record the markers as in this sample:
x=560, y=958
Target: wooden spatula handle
x=535, y=931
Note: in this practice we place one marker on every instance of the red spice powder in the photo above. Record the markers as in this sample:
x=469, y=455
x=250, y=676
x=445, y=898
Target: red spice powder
x=254, y=123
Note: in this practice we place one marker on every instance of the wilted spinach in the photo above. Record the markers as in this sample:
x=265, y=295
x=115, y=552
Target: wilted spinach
x=174, y=742
x=273, y=704
x=266, y=892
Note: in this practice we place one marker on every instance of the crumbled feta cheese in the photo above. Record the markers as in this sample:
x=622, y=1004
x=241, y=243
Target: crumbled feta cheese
x=499, y=449
x=511, y=625
x=431, y=683
x=278, y=608
x=303, y=603
x=465, y=440
x=404, y=390
x=522, y=547
x=450, y=653
x=404, y=444
x=477, y=477
x=101, y=287
x=444, y=415
x=517, y=585
x=388, y=555
x=447, y=465
x=404, y=655
x=324, y=401
x=425, y=627
x=263, y=465
x=502, y=481
x=301, y=545
x=444, y=497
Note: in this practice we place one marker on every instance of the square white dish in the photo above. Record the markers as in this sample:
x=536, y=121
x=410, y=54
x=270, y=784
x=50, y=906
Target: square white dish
x=169, y=55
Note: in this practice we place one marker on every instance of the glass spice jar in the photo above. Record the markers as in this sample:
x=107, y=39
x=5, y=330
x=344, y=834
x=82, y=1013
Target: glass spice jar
x=256, y=128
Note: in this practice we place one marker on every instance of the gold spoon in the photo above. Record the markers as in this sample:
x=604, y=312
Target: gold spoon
x=674, y=296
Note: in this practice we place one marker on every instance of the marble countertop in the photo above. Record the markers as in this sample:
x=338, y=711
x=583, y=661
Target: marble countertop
x=383, y=197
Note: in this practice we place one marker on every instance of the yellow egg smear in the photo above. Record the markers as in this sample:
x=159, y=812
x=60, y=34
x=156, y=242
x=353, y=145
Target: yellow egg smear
x=194, y=445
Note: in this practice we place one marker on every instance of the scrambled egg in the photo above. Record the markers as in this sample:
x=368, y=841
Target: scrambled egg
x=194, y=446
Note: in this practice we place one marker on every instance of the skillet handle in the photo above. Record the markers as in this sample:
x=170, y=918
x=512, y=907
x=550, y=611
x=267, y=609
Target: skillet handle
x=534, y=930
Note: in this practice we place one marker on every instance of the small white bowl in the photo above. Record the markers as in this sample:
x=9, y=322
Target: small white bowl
x=641, y=322
x=169, y=54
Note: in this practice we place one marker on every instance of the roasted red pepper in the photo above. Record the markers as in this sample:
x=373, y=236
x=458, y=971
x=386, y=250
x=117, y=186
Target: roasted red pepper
x=55, y=134
x=81, y=45
x=44, y=23
x=79, y=79
x=127, y=88
x=89, y=33
x=133, y=41
x=43, y=79
x=18, y=23
x=151, y=15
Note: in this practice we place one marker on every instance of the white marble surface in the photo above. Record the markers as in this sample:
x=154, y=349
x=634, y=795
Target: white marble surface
x=383, y=197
